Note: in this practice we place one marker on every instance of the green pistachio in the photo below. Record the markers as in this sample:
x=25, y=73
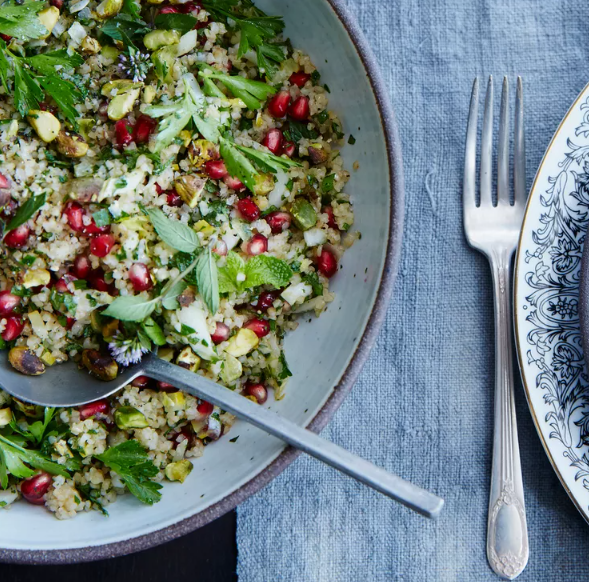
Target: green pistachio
x=49, y=17
x=163, y=62
x=178, y=471
x=119, y=87
x=45, y=124
x=120, y=105
x=231, y=370
x=24, y=361
x=103, y=367
x=190, y=188
x=174, y=401
x=188, y=359
x=200, y=151
x=71, y=145
x=127, y=417
x=242, y=343
x=158, y=38
x=90, y=46
x=109, y=8
x=303, y=214
x=264, y=184
x=5, y=416
x=36, y=278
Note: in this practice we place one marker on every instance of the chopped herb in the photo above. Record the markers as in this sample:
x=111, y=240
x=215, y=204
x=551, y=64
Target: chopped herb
x=351, y=140
x=102, y=217
x=234, y=440
x=26, y=211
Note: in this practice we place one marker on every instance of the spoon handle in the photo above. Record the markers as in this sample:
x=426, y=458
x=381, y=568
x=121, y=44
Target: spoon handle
x=396, y=488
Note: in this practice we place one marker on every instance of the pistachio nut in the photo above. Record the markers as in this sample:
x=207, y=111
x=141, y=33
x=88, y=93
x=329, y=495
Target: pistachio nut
x=127, y=417
x=178, y=471
x=25, y=362
x=120, y=105
x=103, y=367
x=190, y=188
x=242, y=343
x=158, y=38
x=71, y=144
x=45, y=124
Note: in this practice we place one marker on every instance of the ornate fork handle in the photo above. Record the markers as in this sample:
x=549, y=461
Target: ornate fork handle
x=507, y=533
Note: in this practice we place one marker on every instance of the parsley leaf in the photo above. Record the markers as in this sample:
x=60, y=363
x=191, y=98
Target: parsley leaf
x=26, y=211
x=252, y=93
x=14, y=458
x=27, y=92
x=238, y=165
x=176, y=115
x=64, y=93
x=45, y=63
x=21, y=20
x=131, y=462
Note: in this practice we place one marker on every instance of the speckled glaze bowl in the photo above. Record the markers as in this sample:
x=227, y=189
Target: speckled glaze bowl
x=325, y=355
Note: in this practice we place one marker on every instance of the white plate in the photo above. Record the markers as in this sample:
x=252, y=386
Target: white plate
x=548, y=334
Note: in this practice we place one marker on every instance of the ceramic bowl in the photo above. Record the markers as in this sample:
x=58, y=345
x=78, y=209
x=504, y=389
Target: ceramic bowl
x=325, y=354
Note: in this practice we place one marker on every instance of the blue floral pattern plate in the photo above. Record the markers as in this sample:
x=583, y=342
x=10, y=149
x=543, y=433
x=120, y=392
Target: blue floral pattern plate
x=548, y=333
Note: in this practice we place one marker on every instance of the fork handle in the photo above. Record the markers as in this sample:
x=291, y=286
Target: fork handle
x=507, y=533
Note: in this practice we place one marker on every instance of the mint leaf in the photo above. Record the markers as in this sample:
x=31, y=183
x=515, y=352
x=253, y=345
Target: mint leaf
x=130, y=308
x=207, y=280
x=267, y=270
x=26, y=211
x=181, y=22
x=124, y=27
x=174, y=233
x=131, y=462
x=228, y=275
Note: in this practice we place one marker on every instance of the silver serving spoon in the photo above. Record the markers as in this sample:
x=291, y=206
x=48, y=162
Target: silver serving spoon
x=66, y=385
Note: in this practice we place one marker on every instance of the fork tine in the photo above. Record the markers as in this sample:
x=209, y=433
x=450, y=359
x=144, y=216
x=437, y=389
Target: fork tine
x=468, y=194
x=503, y=147
x=519, y=158
x=487, y=147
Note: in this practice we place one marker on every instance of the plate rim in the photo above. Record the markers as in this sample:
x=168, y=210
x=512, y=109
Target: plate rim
x=349, y=376
x=517, y=333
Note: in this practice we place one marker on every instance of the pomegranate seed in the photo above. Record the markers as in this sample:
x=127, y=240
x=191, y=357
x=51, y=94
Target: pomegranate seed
x=273, y=141
x=278, y=221
x=165, y=387
x=327, y=263
x=205, y=408
x=123, y=135
x=8, y=302
x=102, y=245
x=90, y=229
x=258, y=391
x=34, y=488
x=144, y=127
x=169, y=10
x=62, y=285
x=98, y=408
x=17, y=238
x=97, y=281
x=173, y=199
x=266, y=300
x=4, y=182
x=184, y=434
x=259, y=326
x=140, y=277
x=158, y=189
x=82, y=266
x=189, y=7
x=256, y=245
x=289, y=148
x=299, y=110
x=331, y=218
x=278, y=105
x=221, y=248
x=221, y=333
x=69, y=322
x=248, y=209
x=299, y=79
x=75, y=216
x=14, y=327
x=234, y=183
x=141, y=382
x=57, y=3
x=216, y=169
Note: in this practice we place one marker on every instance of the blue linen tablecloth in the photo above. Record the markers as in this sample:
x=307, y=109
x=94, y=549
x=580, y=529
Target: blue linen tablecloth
x=428, y=384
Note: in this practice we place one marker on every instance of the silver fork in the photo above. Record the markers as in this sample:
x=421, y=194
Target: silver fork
x=493, y=230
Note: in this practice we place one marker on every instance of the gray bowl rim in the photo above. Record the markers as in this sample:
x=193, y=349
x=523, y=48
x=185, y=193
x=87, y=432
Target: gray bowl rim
x=375, y=321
